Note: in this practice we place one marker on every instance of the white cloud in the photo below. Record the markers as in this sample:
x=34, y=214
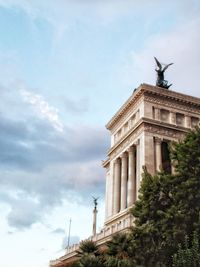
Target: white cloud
x=180, y=46
x=43, y=109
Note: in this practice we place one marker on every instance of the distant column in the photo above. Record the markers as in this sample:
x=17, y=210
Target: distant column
x=124, y=177
x=117, y=176
x=131, y=176
x=158, y=142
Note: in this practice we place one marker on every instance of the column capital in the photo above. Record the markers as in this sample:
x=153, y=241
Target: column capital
x=158, y=139
x=131, y=149
x=137, y=143
x=117, y=160
x=124, y=155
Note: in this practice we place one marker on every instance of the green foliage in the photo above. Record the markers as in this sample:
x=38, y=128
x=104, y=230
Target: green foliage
x=88, y=247
x=119, y=251
x=168, y=206
x=188, y=256
x=166, y=212
x=90, y=255
x=91, y=261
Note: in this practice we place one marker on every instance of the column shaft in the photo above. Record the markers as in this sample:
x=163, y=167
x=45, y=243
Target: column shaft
x=188, y=121
x=138, y=169
x=124, y=177
x=117, y=176
x=172, y=117
x=131, y=176
x=158, y=153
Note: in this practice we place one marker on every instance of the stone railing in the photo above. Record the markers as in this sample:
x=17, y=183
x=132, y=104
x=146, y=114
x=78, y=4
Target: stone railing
x=100, y=238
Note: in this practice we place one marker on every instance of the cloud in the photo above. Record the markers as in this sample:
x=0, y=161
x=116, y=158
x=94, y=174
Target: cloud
x=180, y=46
x=42, y=108
x=44, y=167
x=23, y=213
x=58, y=231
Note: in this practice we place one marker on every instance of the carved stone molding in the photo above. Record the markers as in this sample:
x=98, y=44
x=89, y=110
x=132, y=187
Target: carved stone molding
x=131, y=149
x=158, y=139
x=156, y=95
x=172, y=103
x=164, y=132
x=124, y=155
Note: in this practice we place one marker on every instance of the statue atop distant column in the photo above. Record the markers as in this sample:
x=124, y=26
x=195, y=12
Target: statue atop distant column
x=161, y=82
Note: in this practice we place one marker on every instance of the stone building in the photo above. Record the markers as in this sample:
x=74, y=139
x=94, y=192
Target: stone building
x=140, y=133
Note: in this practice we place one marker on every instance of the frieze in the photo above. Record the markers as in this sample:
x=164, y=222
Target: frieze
x=172, y=104
x=161, y=131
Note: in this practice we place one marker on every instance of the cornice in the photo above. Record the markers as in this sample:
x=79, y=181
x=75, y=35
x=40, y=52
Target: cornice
x=153, y=91
x=106, y=163
x=134, y=132
x=131, y=101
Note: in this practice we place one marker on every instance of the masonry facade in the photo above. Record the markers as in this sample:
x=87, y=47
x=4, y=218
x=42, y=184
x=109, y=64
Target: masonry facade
x=141, y=132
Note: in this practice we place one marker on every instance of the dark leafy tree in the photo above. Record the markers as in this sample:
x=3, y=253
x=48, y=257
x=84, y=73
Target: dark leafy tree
x=119, y=251
x=88, y=247
x=188, y=255
x=168, y=206
x=90, y=255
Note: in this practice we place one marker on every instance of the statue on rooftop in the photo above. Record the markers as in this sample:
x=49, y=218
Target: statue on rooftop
x=161, y=82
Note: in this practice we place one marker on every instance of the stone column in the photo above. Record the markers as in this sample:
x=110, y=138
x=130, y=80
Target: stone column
x=138, y=170
x=117, y=176
x=131, y=176
x=124, y=177
x=172, y=118
x=188, y=121
x=94, y=230
x=158, y=153
x=157, y=113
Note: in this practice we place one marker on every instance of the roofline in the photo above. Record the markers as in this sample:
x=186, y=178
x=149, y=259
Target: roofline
x=154, y=90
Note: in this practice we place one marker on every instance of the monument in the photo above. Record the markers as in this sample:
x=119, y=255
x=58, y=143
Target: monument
x=141, y=132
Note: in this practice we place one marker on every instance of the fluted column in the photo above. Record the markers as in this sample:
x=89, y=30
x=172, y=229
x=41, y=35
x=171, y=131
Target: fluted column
x=158, y=153
x=124, y=177
x=117, y=176
x=131, y=176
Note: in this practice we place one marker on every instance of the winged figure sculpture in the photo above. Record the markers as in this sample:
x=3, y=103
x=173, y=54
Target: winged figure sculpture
x=161, y=82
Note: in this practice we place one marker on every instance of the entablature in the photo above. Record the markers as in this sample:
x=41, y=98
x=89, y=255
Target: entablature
x=167, y=130
x=155, y=94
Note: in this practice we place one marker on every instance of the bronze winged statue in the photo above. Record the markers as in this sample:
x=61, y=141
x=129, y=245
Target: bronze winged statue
x=95, y=201
x=161, y=82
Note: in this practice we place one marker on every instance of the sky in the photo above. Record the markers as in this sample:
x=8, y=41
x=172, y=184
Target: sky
x=66, y=67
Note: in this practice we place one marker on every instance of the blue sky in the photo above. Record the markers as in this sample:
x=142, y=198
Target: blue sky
x=66, y=67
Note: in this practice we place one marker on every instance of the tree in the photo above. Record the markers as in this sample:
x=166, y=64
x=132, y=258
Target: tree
x=90, y=255
x=118, y=251
x=169, y=205
x=188, y=256
x=150, y=235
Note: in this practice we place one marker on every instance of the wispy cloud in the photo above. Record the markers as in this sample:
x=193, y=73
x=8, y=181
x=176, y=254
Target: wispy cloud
x=43, y=109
